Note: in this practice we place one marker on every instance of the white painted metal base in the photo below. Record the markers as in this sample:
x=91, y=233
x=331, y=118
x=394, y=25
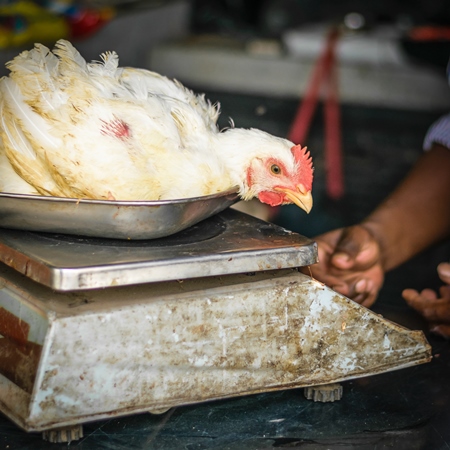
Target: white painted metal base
x=69, y=358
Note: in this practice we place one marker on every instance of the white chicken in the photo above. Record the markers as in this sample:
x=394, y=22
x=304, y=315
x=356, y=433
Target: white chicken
x=98, y=131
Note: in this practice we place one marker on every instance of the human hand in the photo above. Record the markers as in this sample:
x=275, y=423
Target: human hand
x=435, y=307
x=350, y=263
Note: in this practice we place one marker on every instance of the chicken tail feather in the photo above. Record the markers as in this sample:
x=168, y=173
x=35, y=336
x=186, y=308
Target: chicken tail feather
x=35, y=124
x=107, y=67
x=16, y=139
x=70, y=58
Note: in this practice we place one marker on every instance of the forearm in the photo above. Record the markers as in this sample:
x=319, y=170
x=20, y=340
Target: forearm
x=417, y=213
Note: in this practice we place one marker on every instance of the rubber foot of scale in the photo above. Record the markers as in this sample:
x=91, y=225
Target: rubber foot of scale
x=63, y=434
x=325, y=393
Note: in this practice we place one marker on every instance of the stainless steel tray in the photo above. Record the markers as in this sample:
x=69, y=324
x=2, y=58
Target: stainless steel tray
x=109, y=219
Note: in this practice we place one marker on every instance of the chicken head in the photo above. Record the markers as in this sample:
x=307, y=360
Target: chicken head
x=278, y=183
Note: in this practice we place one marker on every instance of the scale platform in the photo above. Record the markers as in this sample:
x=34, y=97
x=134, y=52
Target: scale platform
x=95, y=329
x=229, y=242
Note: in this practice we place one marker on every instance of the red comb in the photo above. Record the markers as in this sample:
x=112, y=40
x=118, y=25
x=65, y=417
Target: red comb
x=305, y=165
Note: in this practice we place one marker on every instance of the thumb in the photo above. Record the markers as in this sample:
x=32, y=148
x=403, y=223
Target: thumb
x=444, y=272
x=356, y=247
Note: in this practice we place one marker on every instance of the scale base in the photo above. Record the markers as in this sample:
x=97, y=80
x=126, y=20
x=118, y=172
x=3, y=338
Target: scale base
x=70, y=358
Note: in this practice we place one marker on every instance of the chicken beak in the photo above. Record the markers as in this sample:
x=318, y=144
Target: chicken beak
x=302, y=198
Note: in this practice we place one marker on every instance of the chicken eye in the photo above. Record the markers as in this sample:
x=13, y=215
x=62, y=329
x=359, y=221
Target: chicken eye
x=275, y=169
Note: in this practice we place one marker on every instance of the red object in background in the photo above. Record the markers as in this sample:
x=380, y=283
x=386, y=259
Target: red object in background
x=429, y=33
x=86, y=22
x=324, y=75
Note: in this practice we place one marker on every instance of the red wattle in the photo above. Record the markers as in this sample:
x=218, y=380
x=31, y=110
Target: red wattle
x=271, y=198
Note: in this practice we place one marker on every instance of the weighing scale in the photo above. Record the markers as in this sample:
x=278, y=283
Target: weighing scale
x=94, y=328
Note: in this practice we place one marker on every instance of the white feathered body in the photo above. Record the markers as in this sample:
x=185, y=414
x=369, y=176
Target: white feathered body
x=95, y=130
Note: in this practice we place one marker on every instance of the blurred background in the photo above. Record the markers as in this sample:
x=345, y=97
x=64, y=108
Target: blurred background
x=257, y=59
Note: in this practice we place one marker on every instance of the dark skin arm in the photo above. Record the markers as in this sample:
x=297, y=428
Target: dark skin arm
x=353, y=260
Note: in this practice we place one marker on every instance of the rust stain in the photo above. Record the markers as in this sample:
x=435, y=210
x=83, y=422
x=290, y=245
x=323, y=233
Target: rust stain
x=19, y=363
x=18, y=357
x=13, y=327
x=200, y=329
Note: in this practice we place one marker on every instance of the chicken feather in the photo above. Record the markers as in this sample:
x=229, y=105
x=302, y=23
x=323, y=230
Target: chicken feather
x=70, y=59
x=26, y=162
x=13, y=97
x=145, y=83
x=10, y=181
x=36, y=71
x=96, y=130
x=107, y=66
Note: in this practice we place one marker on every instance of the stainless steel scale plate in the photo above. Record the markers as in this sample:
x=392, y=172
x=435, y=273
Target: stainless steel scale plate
x=229, y=242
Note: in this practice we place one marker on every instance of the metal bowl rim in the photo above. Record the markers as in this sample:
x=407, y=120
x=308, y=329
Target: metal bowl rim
x=233, y=190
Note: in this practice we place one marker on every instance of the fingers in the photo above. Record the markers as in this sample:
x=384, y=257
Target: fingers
x=327, y=242
x=342, y=260
x=444, y=272
x=426, y=303
x=334, y=282
x=354, y=286
x=345, y=247
x=349, y=262
x=364, y=285
x=356, y=249
x=349, y=246
x=344, y=284
x=441, y=329
x=444, y=292
x=414, y=297
x=366, y=292
x=363, y=291
x=434, y=307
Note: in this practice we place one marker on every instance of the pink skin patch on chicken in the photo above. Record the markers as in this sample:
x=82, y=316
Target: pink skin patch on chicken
x=116, y=128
